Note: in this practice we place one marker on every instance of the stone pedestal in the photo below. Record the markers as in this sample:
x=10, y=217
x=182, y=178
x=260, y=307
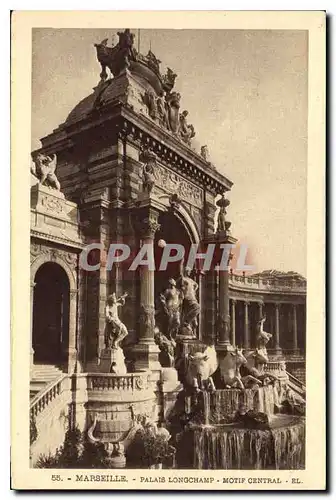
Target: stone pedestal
x=110, y=356
x=53, y=214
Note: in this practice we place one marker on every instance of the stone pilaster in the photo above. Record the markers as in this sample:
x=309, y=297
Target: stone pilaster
x=72, y=348
x=233, y=322
x=295, y=333
x=246, y=325
x=32, y=286
x=277, y=327
x=261, y=306
x=224, y=310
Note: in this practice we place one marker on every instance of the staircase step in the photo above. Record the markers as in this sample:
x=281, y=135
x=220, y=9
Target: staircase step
x=41, y=376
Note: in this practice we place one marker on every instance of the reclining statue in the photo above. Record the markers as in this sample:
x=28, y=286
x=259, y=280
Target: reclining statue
x=249, y=371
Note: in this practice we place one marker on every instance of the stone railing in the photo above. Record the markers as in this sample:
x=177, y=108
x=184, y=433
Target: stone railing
x=112, y=382
x=267, y=284
x=293, y=354
x=43, y=399
x=276, y=367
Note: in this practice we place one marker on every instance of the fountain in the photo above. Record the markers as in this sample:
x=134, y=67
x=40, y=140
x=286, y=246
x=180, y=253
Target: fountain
x=238, y=428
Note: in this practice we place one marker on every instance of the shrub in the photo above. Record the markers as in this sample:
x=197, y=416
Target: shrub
x=148, y=449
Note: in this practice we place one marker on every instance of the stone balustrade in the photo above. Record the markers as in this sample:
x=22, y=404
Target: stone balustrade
x=49, y=394
x=268, y=284
x=112, y=382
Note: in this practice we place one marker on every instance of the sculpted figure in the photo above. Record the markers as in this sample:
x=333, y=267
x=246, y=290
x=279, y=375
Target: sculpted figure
x=148, y=177
x=153, y=61
x=167, y=348
x=173, y=104
x=205, y=153
x=171, y=303
x=187, y=132
x=250, y=371
x=230, y=369
x=150, y=100
x=190, y=305
x=222, y=224
x=116, y=58
x=126, y=42
x=200, y=368
x=44, y=170
x=262, y=337
x=115, y=330
x=168, y=80
x=162, y=112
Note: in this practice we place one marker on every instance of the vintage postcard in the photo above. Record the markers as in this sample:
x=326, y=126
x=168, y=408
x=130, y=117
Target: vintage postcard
x=168, y=175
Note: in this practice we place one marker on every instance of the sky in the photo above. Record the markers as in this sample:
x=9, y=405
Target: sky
x=246, y=93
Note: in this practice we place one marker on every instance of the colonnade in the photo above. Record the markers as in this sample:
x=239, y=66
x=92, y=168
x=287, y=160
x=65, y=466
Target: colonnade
x=281, y=321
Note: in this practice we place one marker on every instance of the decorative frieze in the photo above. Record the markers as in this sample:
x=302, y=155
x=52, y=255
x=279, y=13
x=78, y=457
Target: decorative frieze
x=171, y=182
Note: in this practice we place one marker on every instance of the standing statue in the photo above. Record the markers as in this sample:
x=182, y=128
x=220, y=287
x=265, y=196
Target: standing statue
x=162, y=111
x=222, y=224
x=168, y=80
x=187, y=132
x=171, y=303
x=153, y=61
x=262, y=337
x=167, y=348
x=190, y=305
x=173, y=106
x=115, y=330
x=150, y=101
x=44, y=170
x=148, y=177
x=205, y=153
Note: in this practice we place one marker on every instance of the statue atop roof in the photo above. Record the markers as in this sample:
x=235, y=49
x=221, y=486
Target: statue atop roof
x=116, y=58
x=161, y=100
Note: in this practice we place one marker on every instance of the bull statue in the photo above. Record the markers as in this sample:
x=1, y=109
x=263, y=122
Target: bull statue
x=200, y=368
x=250, y=371
x=116, y=58
x=230, y=369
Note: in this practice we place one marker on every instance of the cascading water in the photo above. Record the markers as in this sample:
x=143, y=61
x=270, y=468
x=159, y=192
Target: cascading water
x=220, y=443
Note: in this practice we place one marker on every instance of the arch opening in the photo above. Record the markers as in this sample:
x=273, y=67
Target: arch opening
x=172, y=231
x=51, y=315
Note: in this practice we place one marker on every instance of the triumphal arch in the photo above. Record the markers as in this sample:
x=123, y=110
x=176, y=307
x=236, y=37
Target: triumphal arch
x=107, y=341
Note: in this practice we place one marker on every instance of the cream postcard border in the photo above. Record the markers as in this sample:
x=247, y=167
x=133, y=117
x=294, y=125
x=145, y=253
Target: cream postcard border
x=313, y=477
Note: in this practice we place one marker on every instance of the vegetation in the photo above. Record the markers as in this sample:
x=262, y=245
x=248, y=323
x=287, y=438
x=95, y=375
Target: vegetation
x=76, y=452
x=148, y=449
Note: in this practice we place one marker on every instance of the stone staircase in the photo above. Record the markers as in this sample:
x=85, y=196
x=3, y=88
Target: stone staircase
x=41, y=376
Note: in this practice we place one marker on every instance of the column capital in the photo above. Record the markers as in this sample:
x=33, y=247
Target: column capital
x=147, y=226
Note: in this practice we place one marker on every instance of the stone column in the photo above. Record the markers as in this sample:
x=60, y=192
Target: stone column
x=295, y=335
x=260, y=304
x=146, y=351
x=223, y=309
x=233, y=322
x=246, y=325
x=32, y=286
x=277, y=326
x=72, y=348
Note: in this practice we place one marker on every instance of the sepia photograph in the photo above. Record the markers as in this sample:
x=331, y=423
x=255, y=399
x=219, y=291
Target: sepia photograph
x=169, y=172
